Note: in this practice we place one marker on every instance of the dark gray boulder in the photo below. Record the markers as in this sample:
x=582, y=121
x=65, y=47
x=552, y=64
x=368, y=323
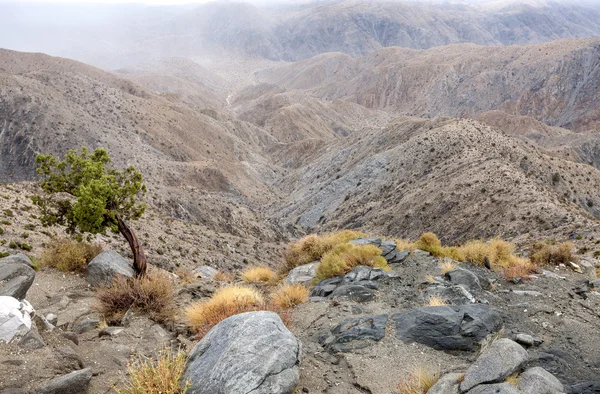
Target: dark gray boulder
x=75, y=382
x=448, y=327
x=356, y=333
x=106, y=266
x=16, y=276
x=356, y=293
x=251, y=352
x=537, y=380
x=357, y=284
x=396, y=256
x=501, y=359
x=588, y=387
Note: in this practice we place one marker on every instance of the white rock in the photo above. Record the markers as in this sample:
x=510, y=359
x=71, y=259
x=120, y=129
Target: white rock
x=15, y=318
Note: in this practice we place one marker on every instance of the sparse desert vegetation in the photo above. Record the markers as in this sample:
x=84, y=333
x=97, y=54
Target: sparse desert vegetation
x=259, y=275
x=290, y=295
x=160, y=376
x=345, y=256
x=151, y=295
x=418, y=381
x=68, y=255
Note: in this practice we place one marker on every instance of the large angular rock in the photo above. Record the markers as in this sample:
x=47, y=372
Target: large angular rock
x=356, y=293
x=304, y=274
x=356, y=333
x=447, y=384
x=448, y=327
x=106, y=266
x=502, y=358
x=498, y=388
x=75, y=382
x=251, y=352
x=588, y=387
x=366, y=241
x=537, y=380
x=18, y=258
x=464, y=278
x=16, y=276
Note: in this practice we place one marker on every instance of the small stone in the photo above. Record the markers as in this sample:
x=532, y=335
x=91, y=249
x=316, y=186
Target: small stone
x=356, y=333
x=304, y=274
x=71, y=336
x=15, y=278
x=305, y=390
x=366, y=241
x=588, y=270
x=575, y=267
x=528, y=340
x=32, y=340
x=110, y=331
x=356, y=293
x=52, y=318
x=87, y=323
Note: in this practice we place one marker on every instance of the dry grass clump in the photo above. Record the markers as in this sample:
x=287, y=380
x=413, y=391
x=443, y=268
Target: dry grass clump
x=222, y=276
x=402, y=244
x=289, y=295
x=259, y=274
x=344, y=257
x=68, y=255
x=228, y=301
x=185, y=276
x=519, y=268
x=447, y=266
x=543, y=253
x=512, y=379
x=436, y=301
x=150, y=295
x=313, y=247
x=418, y=381
x=162, y=376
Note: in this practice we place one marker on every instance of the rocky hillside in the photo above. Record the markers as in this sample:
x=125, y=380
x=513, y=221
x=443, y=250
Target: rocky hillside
x=555, y=83
x=460, y=178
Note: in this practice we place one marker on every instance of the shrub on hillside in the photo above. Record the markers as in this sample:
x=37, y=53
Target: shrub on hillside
x=160, y=376
x=68, y=255
x=259, y=275
x=150, y=295
x=290, y=295
x=313, y=247
x=344, y=257
x=543, y=253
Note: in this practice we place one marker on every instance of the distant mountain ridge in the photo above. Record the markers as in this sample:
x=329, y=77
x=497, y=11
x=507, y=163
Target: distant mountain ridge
x=124, y=35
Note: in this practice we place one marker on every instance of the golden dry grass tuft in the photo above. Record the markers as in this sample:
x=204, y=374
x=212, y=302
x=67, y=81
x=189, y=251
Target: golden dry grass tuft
x=222, y=276
x=344, y=257
x=151, y=295
x=228, y=301
x=402, y=244
x=313, y=247
x=185, y=276
x=447, y=266
x=543, y=253
x=160, y=376
x=259, y=275
x=68, y=255
x=436, y=301
x=512, y=379
x=290, y=295
x=418, y=381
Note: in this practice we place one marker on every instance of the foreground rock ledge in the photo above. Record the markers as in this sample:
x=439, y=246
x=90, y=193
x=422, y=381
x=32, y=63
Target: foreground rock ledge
x=251, y=352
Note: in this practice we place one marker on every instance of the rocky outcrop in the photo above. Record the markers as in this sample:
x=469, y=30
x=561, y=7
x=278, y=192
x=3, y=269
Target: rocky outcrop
x=304, y=274
x=358, y=285
x=355, y=333
x=247, y=353
x=448, y=327
x=106, y=266
x=16, y=276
